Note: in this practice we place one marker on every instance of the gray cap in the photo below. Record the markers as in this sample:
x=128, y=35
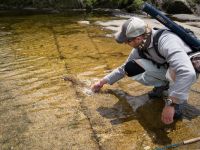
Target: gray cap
x=131, y=28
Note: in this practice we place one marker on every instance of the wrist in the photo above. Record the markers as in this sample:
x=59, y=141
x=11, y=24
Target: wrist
x=102, y=82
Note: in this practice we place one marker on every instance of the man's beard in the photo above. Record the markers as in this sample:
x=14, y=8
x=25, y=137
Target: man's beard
x=146, y=42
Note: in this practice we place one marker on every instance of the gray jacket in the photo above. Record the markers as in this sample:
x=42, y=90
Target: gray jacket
x=175, y=52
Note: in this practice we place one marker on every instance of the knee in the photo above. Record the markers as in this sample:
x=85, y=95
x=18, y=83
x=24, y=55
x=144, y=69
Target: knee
x=132, y=68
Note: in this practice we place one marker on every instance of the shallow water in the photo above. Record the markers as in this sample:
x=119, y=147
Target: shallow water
x=48, y=62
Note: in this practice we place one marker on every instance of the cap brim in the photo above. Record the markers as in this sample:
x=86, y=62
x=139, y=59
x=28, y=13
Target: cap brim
x=120, y=37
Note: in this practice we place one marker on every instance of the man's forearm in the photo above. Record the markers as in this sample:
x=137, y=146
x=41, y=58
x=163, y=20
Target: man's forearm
x=103, y=81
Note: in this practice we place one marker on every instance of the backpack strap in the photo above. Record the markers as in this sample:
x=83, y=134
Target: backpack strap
x=142, y=54
x=155, y=41
x=142, y=51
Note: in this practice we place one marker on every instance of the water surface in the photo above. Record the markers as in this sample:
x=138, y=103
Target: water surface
x=47, y=63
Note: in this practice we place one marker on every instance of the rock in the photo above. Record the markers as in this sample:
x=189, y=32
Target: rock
x=194, y=24
x=177, y=7
x=84, y=22
x=147, y=147
x=113, y=25
x=186, y=17
x=180, y=6
x=109, y=35
x=196, y=8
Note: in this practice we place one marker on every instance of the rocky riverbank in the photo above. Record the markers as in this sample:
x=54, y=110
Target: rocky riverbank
x=188, y=21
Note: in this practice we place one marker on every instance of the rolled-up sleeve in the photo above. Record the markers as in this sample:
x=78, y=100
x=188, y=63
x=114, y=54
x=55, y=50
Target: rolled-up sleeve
x=119, y=72
x=174, y=50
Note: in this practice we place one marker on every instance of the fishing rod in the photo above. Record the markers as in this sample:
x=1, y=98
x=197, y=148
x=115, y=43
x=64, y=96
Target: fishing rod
x=179, y=144
x=194, y=43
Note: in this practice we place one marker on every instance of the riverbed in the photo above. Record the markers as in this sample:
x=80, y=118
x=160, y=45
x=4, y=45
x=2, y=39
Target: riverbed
x=47, y=65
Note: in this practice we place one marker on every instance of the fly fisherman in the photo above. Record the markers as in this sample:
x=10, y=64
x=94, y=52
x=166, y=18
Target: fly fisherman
x=166, y=67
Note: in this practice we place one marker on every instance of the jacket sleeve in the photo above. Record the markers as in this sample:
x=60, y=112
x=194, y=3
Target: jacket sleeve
x=119, y=72
x=174, y=50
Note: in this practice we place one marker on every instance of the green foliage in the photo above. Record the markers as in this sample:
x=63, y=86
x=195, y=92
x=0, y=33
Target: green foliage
x=129, y=5
x=41, y=3
x=122, y=4
x=16, y=3
x=89, y=2
x=135, y=6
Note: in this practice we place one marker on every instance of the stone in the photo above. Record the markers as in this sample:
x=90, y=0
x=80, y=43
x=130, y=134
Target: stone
x=84, y=22
x=147, y=147
x=177, y=7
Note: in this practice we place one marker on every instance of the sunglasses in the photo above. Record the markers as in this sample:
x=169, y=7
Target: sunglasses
x=130, y=40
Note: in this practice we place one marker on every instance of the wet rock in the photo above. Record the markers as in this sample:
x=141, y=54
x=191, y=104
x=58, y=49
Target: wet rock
x=113, y=25
x=109, y=35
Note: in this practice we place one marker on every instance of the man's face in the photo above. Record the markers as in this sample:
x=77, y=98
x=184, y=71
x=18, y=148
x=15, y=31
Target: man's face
x=135, y=42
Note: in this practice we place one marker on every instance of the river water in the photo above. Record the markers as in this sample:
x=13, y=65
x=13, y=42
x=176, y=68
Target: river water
x=47, y=64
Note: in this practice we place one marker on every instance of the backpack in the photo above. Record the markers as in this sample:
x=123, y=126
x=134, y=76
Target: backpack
x=185, y=34
x=194, y=57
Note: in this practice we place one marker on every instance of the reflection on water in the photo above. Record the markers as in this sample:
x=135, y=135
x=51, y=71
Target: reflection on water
x=47, y=64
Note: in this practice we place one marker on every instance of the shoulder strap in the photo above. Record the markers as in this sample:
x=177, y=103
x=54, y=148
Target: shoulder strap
x=156, y=37
x=155, y=42
x=141, y=53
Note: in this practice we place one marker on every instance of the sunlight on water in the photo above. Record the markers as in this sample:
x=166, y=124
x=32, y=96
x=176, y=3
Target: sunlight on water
x=88, y=91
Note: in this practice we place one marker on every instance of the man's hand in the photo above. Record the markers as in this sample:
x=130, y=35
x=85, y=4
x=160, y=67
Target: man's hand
x=168, y=114
x=98, y=85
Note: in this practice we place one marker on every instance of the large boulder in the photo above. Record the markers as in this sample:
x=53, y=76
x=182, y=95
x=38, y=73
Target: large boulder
x=195, y=6
x=197, y=9
x=177, y=7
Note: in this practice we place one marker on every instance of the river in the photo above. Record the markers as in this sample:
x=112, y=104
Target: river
x=48, y=62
